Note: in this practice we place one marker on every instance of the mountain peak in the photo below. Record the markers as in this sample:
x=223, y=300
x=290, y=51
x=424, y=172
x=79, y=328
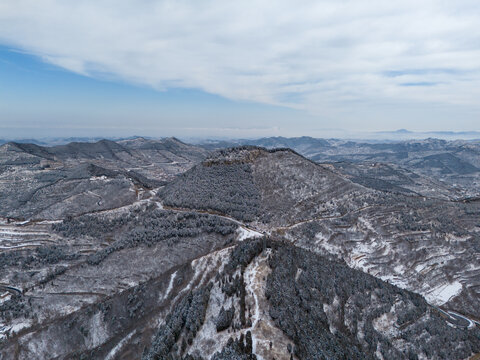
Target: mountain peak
x=244, y=154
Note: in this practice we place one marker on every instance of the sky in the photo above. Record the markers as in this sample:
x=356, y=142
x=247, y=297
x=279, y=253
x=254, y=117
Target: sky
x=220, y=68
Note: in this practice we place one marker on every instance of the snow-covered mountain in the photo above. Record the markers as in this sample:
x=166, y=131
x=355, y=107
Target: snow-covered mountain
x=147, y=249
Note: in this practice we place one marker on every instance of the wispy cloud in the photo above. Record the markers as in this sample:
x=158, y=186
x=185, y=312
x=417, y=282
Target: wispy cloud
x=421, y=83
x=312, y=55
x=423, y=72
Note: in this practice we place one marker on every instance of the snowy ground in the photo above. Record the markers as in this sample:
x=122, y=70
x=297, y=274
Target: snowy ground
x=208, y=341
x=263, y=329
x=442, y=293
x=244, y=233
x=14, y=236
x=364, y=255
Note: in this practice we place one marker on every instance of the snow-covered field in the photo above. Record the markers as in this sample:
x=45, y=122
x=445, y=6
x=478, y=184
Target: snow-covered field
x=442, y=293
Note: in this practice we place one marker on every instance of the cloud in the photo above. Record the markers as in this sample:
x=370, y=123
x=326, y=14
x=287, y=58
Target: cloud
x=320, y=56
x=423, y=83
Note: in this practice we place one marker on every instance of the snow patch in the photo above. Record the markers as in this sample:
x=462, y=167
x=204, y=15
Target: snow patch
x=19, y=246
x=263, y=329
x=385, y=324
x=395, y=280
x=367, y=224
x=245, y=233
x=250, y=279
x=98, y=332
x=16, y=328
x=420, y=267
x=97, y=178
x=443, y=293
x=111, y=355
x=170, y=285
x=208, y=341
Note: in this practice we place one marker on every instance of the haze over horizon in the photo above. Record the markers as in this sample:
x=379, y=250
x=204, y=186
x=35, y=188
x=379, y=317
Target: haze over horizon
x=237, y=70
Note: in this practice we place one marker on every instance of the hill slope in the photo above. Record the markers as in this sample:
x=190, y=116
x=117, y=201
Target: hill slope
x=277, y=187
x=384, y=233
x=77, y=178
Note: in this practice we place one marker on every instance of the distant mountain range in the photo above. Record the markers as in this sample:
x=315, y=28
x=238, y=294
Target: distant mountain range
x=374, y=136
x=52, y=141
x=403, y=134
